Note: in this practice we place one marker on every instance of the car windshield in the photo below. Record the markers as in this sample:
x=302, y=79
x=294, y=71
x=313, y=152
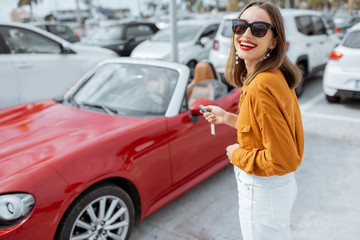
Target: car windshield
x=114, y=32
x=127, y=89
x=185, y=33
x=64, y=32
x=227, y=28
x=352, y=40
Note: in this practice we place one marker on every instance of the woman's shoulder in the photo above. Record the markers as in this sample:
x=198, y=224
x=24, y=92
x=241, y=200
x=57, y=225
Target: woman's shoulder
x=272, y=80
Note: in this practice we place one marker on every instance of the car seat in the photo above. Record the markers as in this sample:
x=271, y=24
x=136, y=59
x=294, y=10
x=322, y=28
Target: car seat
x=205, y=84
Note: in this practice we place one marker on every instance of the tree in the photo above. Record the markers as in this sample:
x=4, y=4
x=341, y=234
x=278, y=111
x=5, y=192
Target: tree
x=27, y=2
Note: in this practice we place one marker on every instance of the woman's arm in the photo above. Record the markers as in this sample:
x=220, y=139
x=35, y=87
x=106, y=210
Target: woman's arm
x=219, y=115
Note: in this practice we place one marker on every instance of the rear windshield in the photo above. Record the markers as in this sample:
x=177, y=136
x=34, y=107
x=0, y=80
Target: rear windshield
x=352, y=40
x=227, y=28
x=185, y=33
x=112, y=32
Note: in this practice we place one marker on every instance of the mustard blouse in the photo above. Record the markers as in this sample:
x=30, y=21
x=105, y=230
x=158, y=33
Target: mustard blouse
x=269, y=127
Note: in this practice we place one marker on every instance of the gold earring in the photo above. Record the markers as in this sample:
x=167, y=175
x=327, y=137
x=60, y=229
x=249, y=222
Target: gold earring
x=236, y=58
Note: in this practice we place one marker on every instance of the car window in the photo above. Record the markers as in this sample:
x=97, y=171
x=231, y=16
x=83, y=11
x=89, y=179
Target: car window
x=2, y=51
x=185, y=33
x=114, y=32
x=304, y=25
x=132, y=89
x=139, y=31
x=227, y=28
x=210, y=31
x=24, y=41
x=352, y=40
x=64, y=32
x=318, y=26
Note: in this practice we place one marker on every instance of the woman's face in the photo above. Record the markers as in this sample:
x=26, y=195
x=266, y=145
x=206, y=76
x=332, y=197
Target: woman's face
x=250, y=48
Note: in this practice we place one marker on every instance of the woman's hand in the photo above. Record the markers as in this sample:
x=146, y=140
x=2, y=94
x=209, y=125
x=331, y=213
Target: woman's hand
x=216, y=115
x=230, y=149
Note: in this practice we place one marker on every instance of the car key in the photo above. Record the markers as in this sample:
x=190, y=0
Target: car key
x=212, y=126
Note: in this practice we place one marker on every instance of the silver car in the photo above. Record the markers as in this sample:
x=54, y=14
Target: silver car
x=36, y=64
x=195, y=38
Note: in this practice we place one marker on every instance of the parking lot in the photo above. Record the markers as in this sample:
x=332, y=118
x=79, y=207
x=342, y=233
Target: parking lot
x=328, y=191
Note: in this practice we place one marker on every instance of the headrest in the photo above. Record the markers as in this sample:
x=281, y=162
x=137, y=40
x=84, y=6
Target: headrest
x=203, y=71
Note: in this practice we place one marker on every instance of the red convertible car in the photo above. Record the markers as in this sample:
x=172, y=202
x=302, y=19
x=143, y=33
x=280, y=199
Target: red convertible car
x=125, y=140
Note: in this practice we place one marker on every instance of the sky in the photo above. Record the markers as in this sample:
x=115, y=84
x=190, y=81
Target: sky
x=44, y=6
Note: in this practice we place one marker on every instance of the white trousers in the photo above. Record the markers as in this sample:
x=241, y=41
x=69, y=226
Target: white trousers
x=265, y=205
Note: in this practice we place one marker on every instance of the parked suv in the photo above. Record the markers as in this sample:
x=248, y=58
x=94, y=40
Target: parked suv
x=309, y=39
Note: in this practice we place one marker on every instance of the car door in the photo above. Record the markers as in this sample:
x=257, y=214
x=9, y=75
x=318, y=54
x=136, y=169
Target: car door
x=325, y=43
x=312, y=43
x=8, y=79
x=204, y=50
x=192, y=146
x=43, y=70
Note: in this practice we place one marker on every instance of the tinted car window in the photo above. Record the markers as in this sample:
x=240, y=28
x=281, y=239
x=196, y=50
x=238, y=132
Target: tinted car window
x=352, y=40
x=23, y=41
x=318, y=26
x=304, y=25
x=227, y=28
x=138, y=31
x=185, y=33
x=210, y=31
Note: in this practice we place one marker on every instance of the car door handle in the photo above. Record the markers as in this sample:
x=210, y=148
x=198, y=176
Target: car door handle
x=308, y=44
x=24, y=65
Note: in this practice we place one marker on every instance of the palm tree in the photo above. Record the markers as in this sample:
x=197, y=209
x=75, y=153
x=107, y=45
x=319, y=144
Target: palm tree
x=27, y=2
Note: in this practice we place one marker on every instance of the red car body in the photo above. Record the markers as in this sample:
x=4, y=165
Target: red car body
x=56, y=152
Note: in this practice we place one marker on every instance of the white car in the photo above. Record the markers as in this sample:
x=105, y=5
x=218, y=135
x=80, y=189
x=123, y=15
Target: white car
x=342, y=76
x=308, y=35
x=221, y=47
x=36, y=64
x=194, y=42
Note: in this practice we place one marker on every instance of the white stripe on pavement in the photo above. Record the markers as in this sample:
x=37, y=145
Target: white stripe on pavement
x=330, y=117
x=312, y=102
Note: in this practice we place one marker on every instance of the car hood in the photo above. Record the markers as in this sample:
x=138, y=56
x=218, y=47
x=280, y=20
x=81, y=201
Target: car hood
x=101, y=43
x=93, y=50
x=156, y=50
x=40, y=132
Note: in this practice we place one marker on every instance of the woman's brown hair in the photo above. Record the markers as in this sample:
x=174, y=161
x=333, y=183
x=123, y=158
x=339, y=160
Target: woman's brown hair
x=237, y=75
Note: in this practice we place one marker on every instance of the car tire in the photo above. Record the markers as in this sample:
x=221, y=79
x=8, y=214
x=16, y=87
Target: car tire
x=300, y=88
x=333, y=99
x=100, y=213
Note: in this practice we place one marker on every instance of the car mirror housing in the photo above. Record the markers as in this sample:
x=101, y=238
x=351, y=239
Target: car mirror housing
x=194, y=108
x=204, y=41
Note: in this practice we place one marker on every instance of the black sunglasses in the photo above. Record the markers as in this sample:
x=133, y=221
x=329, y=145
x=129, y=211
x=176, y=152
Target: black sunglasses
x=258, y=28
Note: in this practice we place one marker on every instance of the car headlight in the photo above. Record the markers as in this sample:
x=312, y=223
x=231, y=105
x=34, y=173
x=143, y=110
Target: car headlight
x=15, y=207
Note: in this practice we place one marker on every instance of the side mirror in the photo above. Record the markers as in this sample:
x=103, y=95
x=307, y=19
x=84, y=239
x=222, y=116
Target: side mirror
x=194, y=108
x=66, y=50
x=204, y=41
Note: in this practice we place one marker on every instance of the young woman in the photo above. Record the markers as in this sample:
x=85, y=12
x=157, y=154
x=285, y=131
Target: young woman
x=269, y=126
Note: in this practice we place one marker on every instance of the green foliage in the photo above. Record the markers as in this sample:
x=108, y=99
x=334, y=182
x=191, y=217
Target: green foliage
x=26, y=2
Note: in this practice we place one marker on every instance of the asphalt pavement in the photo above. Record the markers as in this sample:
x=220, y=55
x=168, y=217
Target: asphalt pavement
x=326, y=207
